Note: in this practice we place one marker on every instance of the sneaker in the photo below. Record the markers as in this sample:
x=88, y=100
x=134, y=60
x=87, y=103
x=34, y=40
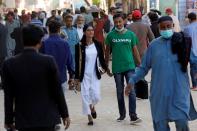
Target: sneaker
x=135, y=120
x=121, y=118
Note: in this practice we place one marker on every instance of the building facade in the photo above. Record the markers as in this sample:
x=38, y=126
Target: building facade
x=180, y=7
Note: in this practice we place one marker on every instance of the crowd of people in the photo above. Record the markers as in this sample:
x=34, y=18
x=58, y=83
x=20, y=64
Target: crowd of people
x=37, y=53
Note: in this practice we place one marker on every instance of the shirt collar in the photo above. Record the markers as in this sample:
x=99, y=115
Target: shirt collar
x=54, y=35
x=71, y=28
x=80, y=27
x=30, y=49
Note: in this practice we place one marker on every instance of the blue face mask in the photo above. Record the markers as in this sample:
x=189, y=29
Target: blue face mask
x=166, y=33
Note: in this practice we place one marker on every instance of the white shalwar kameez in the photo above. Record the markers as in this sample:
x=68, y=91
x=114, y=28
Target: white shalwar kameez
x=90, y=86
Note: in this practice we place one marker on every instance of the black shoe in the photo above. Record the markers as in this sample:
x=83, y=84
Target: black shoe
x=121, y=118
x=90, y=123
x=94, y=115
x=135, y=119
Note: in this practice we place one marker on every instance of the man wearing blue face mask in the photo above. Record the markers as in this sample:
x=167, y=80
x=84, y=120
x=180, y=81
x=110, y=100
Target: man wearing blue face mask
x=166, y=27
x=166, y=33
x=170, y=90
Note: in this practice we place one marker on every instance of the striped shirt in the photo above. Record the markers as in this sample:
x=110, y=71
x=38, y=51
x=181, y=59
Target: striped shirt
x=36, y=22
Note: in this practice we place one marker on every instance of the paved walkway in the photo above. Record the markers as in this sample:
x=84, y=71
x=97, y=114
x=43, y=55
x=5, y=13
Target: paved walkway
x=107, y=111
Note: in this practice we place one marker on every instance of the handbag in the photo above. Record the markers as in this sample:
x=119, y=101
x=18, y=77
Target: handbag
x=141, y=89
x=77, y=84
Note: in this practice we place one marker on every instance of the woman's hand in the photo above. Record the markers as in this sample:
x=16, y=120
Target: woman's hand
x=109, y=73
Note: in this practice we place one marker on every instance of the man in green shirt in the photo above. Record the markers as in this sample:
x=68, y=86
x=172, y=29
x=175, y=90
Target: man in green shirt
x=122, y=43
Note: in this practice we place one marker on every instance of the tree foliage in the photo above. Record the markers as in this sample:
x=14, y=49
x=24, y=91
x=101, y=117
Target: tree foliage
x=96, y=2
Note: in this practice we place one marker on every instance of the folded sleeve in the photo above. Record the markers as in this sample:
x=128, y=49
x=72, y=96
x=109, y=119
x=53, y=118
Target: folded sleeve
x=143, y=69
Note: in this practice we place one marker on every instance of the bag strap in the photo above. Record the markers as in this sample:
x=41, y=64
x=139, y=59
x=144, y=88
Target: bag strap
x=80, y=59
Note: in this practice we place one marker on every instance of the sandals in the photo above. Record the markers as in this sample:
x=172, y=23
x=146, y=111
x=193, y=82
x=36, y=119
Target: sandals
x=93, y=112
x=94, y=115
x=90, y=123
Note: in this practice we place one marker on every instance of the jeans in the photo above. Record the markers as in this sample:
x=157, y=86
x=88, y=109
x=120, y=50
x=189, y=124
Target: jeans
x=181, y=125
x=119, y=80
x=193, y=69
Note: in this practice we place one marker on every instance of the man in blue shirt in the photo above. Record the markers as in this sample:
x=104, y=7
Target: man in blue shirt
x=60, y=50
x=169, y=90
x=10, y=25
x=191, y=31
x=35, y=20
x=71, y=36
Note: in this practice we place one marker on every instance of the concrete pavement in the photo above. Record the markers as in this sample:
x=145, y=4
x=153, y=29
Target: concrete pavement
x=107, y=111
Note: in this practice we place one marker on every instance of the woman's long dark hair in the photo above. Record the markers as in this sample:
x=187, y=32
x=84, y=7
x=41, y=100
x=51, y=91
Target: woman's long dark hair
x=83, y=40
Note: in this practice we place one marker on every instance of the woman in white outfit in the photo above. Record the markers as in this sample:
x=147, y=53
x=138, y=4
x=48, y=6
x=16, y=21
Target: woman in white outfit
x=90, y=64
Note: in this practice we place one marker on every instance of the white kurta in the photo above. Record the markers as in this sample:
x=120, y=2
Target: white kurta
x=80, y=32
x=90, y=86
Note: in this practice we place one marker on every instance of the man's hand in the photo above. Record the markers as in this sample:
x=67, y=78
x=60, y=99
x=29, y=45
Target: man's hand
x=9, y=127
x=77, y=85
x=66, y=122
x=128, y=89
x=109, y=73
x=71, y=82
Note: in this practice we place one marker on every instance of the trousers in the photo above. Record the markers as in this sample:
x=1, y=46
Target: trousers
x=181, y=125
